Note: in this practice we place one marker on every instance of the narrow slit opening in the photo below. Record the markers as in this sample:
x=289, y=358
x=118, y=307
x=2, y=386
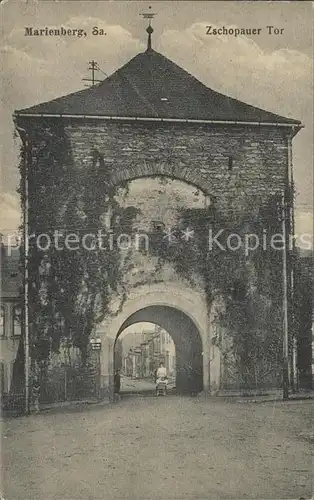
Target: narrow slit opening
x=230, y=163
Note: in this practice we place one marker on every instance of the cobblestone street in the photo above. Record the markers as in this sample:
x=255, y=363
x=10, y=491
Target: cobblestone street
x=161, y=448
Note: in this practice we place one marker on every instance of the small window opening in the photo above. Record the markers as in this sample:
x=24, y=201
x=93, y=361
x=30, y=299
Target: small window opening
x=158, y=226
x=17, y=317
x=230, y=163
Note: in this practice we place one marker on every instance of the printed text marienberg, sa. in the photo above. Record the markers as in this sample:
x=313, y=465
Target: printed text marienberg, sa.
x=62, y=31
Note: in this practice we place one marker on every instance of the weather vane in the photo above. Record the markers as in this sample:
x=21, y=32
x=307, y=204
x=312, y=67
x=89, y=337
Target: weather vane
x=149, y=29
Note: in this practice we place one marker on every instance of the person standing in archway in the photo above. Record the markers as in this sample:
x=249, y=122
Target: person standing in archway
x=161, y=375
x=161, y=371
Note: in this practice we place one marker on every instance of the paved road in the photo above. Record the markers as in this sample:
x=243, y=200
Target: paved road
x=161, y=448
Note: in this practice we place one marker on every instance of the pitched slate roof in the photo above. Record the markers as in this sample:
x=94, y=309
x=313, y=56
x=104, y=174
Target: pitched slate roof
x=152, y=86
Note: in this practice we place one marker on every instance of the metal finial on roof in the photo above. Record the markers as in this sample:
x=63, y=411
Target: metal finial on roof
x=149, y=29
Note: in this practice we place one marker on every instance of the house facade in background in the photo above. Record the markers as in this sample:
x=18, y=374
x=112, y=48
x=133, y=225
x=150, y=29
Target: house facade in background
x=10, y=314
x=154, y=346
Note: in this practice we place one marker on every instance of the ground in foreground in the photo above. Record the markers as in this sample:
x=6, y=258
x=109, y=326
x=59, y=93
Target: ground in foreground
x=161, y=448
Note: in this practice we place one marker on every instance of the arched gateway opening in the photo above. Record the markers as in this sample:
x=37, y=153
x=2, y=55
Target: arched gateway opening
x=138, y=352
x=154, y=291
x=187, y=340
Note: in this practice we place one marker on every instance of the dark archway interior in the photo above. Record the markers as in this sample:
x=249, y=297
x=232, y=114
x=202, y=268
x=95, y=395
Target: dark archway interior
x=187, y=339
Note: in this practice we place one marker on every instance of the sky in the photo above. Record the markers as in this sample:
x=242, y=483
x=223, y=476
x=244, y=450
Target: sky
x=273, y=72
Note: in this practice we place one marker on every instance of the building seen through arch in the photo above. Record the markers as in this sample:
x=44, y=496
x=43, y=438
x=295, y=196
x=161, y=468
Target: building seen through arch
x=144, y=346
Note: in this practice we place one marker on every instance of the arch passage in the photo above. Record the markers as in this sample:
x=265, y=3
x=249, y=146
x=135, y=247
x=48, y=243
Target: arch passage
x=187, y=339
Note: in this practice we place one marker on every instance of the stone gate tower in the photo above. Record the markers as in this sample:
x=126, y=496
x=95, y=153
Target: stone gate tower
x=152, y=119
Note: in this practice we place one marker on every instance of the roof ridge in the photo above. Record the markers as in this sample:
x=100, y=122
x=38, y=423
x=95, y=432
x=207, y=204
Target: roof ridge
x=136, y=90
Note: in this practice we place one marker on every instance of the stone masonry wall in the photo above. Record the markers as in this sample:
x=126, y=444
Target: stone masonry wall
x=198, y=154
x=229, y=164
